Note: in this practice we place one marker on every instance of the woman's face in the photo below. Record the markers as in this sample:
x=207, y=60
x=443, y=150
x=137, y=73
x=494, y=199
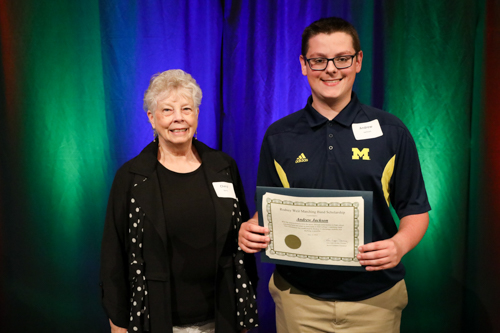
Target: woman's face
x=175, y=118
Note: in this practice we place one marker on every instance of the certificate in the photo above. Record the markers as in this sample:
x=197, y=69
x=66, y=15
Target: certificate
x=315, y=228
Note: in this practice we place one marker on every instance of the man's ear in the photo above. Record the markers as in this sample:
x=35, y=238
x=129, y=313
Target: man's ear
x=359, y=61
x=303, y=65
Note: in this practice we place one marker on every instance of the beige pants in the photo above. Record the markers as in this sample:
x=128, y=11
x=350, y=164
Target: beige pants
x=297, y=312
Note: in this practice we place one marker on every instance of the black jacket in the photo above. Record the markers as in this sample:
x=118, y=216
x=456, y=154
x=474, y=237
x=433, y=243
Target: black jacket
x=138, y=179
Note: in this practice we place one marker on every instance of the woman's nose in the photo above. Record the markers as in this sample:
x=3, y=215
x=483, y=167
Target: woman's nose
x=178, y=116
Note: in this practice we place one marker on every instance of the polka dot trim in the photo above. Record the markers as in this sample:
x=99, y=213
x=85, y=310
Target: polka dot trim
x=139, y=313
x=246, y=304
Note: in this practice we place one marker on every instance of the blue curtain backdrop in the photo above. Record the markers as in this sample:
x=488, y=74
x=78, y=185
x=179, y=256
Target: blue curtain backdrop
x=142, y=39
x=73, y=78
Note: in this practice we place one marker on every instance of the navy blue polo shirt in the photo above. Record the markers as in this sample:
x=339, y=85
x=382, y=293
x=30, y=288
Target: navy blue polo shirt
x=306, y=150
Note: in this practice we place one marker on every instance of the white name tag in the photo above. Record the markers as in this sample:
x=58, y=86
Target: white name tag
x=369, y=130
x=224, y=190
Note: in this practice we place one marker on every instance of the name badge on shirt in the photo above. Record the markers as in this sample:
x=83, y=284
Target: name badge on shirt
x=369, y=130
x=224, y=190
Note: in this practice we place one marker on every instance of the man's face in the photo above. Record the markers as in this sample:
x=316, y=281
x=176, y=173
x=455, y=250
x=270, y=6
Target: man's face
x=331, y=86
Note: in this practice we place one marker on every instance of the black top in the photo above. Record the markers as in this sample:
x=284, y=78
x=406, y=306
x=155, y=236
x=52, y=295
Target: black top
x=190, y=224
x=363, y=149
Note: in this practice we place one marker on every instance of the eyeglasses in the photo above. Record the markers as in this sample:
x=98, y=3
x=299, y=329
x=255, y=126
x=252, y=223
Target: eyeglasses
x=340, y=62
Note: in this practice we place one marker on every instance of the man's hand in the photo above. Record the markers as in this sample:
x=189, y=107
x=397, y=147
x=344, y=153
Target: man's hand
x=387, y=253
x=380, y=255
x=252, y=238
x=116, y=329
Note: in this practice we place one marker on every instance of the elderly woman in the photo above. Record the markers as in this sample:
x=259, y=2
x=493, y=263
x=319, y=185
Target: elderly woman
x=170, y=260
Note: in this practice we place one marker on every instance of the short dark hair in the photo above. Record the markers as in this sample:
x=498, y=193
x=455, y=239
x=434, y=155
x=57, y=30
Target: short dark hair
x=328, y=26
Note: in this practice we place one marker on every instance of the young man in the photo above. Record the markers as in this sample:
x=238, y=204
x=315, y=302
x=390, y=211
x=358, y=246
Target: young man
x=344, y=145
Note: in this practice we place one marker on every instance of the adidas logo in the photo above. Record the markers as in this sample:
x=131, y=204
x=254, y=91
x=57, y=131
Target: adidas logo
x=301, y=158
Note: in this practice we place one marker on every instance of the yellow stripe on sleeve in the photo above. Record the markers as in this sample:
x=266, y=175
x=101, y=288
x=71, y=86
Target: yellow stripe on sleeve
x=281, y=174
x=386, y=178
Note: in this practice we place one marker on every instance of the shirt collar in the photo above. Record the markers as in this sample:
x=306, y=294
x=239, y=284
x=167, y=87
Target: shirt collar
x=345, y=117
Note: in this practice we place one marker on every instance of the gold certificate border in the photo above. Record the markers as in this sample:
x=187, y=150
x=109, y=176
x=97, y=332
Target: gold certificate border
x=354, y=205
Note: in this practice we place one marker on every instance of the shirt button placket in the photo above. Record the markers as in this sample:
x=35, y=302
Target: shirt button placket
x=330, y=135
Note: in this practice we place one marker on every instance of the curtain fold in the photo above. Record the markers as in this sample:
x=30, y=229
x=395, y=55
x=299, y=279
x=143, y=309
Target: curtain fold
x=483, y=254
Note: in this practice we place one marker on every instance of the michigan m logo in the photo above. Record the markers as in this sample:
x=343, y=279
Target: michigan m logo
x=356, y=154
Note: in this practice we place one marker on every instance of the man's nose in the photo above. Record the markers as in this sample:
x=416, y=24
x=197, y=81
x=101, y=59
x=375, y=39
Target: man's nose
x=330, y=66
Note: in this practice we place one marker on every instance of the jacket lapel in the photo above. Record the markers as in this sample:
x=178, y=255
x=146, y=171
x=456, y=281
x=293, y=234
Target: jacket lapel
x=147, y=191
x=148, y=196
x=217, y=170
